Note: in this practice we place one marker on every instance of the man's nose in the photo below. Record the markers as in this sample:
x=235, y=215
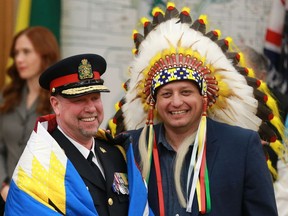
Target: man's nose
x=176, y=100
x=90, y=106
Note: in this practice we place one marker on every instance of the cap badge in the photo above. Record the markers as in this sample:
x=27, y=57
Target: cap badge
x=85, y=70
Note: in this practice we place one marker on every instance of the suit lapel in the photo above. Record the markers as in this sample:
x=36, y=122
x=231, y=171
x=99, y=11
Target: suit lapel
x=80, y=163
x=212, y=146
x=21, y=109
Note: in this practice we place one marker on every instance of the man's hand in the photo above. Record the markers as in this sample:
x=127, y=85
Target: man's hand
x=123, y=139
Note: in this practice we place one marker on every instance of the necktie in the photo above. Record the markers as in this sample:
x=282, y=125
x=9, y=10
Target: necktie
x=94, y=166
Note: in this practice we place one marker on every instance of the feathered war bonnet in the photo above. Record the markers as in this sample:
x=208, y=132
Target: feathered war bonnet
x=175, y=48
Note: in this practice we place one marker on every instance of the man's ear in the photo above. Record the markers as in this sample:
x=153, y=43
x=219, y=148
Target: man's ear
x=55, y=103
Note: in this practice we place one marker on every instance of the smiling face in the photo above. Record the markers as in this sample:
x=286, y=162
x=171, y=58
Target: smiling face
x=27, y=60
x=79, y=117
x=179, y=105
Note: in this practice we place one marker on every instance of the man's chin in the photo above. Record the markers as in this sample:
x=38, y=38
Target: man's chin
x=90, y=133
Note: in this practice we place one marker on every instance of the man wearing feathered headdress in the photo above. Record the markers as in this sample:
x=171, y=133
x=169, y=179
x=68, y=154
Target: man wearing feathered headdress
x=195, y=116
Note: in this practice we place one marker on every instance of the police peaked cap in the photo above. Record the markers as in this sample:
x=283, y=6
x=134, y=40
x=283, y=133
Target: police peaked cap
x=75, y=76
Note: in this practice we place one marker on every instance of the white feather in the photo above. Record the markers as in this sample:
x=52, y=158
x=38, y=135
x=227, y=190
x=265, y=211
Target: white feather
x=241, y=107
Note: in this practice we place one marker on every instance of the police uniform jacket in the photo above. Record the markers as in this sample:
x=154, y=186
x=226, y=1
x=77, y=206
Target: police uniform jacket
x=106, y=201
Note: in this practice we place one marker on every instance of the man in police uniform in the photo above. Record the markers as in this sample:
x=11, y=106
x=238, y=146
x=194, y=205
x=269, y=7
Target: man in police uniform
x=75, y=86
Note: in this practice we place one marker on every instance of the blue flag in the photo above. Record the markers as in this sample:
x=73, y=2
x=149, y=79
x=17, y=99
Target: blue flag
x=138, y=192
x=46, y=183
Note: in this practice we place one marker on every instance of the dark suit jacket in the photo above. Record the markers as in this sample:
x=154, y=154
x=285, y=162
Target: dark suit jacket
x=112, y=161
x=240, y=183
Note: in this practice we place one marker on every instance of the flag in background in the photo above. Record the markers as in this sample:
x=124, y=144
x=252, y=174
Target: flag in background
x=284, y=52
x=45, y=13
x=276, y=45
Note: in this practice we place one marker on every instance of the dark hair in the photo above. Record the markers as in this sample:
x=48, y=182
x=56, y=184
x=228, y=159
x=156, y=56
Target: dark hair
x=256, y=60
x=46, y=45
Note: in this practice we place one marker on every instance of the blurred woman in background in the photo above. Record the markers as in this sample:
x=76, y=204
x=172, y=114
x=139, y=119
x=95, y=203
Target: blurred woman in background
x=22, y=100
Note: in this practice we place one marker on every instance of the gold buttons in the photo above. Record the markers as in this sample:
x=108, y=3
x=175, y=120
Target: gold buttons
x=110, y=201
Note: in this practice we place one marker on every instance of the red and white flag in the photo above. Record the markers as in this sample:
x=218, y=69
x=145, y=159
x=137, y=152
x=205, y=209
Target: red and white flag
x=276, y=46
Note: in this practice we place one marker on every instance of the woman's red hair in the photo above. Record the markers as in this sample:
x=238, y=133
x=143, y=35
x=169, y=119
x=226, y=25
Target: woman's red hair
x=46, y=45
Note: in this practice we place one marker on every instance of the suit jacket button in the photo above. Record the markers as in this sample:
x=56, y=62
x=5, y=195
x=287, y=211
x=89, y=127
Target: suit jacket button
x=110, y=201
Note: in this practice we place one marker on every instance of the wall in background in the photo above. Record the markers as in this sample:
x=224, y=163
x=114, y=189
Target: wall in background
x=245, y=21
x=105, y=27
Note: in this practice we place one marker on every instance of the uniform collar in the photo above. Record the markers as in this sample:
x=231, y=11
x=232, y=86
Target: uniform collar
x=83, y=150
